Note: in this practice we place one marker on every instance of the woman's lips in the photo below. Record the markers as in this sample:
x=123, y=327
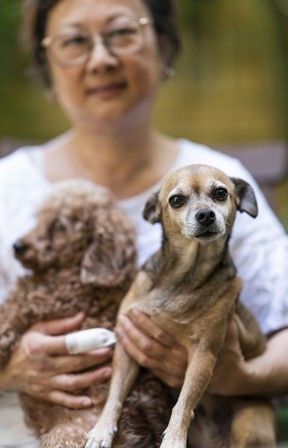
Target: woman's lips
x=106, y=90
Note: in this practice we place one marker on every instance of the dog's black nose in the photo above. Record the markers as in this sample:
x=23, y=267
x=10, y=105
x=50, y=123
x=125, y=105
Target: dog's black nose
x=205, y=216
x=19, y=247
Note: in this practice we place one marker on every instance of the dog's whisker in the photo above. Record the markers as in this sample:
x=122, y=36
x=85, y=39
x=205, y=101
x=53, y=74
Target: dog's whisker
x=228, y=227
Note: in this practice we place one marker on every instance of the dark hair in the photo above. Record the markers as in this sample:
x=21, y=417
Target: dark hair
x=164, y=17
x=35, y=15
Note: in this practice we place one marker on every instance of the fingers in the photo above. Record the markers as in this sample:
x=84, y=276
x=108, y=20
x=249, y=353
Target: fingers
x=48, y=378
x=64, y=388
x=50, y=353
x=232, y=334
x=143, y=349
x=37, y=345
x=39, y=368
x=146, y=325
x=68, y=400
x=75, y=383
x=77, y=363
x=165, y=357
x=59, y=326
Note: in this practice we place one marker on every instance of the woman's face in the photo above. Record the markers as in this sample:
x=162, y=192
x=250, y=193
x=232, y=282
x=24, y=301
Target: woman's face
x=107, y=87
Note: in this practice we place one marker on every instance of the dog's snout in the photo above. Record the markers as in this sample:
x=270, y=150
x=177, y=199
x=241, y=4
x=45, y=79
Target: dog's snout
x=19, y=247
x=205, y=216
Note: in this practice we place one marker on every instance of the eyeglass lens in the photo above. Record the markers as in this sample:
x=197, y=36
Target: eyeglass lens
x=76, y=47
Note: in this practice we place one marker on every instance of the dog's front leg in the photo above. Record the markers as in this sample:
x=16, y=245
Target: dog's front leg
x=197, y=377
x=125, y=371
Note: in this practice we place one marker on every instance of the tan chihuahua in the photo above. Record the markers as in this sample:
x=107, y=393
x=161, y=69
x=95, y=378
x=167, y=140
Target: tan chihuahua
x=190, y=289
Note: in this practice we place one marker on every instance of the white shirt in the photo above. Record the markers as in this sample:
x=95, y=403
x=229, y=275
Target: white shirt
x=259, y=247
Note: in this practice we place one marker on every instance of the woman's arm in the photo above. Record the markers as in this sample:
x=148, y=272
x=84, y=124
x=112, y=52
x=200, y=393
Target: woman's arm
x=40, y=366
x=265, y=375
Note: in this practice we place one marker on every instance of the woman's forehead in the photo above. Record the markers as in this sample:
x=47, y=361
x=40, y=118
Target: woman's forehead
x=100, y=12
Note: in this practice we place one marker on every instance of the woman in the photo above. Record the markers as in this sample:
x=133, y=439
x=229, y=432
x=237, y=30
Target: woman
x=104, y=62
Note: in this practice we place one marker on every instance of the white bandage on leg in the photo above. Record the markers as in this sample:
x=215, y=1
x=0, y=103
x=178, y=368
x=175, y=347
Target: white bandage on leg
x=86, y=340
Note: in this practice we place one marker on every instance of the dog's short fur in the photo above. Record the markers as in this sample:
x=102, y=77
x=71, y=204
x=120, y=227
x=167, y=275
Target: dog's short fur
x=82, y=255
x=190, y=288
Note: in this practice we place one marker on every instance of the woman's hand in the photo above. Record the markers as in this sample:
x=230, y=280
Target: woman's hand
x=41, y=366
x=265, y=375
x=152, y=347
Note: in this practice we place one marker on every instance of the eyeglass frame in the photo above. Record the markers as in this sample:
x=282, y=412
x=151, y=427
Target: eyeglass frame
x=48, y=40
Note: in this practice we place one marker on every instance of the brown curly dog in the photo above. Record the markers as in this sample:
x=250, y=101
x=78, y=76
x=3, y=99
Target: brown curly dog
x=81, y=255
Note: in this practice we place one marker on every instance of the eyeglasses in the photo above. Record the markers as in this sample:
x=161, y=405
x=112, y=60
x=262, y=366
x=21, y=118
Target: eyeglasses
x=74, y=48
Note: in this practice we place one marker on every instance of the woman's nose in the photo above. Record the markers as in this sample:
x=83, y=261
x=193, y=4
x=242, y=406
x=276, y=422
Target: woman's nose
x=101, y=56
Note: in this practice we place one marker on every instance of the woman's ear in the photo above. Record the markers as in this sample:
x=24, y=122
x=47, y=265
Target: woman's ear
x=111, y=256
x=167, y=69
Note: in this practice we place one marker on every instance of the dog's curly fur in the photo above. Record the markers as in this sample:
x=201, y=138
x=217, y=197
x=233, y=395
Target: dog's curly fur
x=81, y=255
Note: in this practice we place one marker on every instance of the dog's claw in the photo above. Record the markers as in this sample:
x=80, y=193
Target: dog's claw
x=89, y=443
x=96, y=440
x=93, y=443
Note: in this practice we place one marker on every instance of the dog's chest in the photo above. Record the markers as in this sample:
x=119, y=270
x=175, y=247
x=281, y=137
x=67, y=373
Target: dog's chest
x=181, y=303
x=187, y=294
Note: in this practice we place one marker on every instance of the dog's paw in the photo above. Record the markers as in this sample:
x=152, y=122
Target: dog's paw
x=169, y=441
x=101, y=439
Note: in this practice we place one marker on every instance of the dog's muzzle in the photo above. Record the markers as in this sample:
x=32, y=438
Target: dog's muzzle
x=204, y=225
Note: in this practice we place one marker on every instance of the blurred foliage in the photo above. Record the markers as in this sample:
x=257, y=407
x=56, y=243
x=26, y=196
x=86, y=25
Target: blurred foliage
x=233, y=70
x=231, y=84
x=10, y=54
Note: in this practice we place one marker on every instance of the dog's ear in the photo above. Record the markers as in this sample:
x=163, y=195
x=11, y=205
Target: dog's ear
x=245, y=197
x=111, y=256
x=152, y=209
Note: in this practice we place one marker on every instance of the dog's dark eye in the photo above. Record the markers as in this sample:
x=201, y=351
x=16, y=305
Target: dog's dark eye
x=177, y=201
x=59, y=226
x=220, y=194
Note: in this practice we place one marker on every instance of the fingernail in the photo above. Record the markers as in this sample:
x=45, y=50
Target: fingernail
x=135, y=312
x=86, y=402
x=107, y=374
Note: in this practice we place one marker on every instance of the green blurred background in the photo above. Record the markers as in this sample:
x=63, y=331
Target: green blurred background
x=230, y=88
